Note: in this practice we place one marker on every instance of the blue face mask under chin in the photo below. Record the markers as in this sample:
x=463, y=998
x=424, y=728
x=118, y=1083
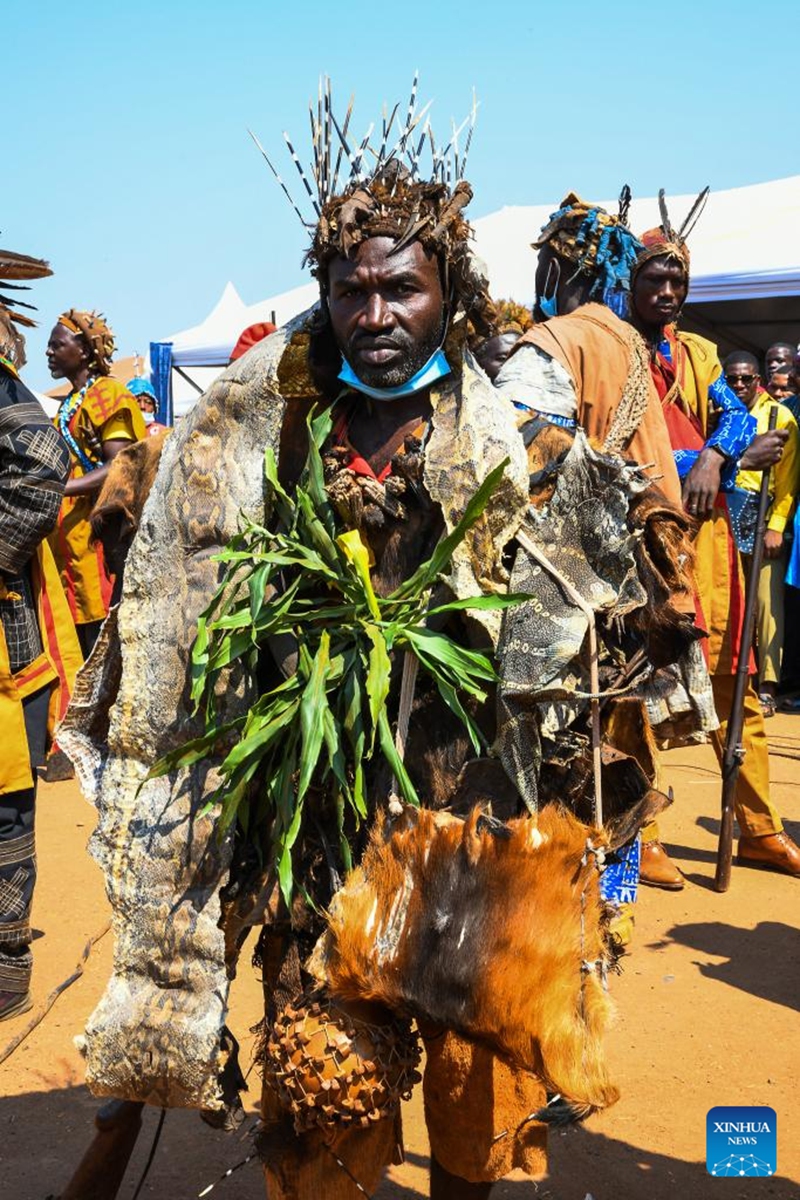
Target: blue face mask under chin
x=437, y=367
x=549, y=306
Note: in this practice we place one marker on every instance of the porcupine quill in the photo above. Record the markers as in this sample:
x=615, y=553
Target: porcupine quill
x=283, y=186
x=342, y=138
x=302, y=173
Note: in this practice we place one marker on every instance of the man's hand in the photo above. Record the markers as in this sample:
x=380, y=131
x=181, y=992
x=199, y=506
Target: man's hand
x=701, y=485
x=773, y=542
x=764, y=450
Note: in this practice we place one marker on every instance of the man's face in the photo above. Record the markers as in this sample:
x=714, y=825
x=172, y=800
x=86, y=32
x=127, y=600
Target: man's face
x=146, y=403
x=493, y=353
x=781, y=384
x=66, y=353
x=743, y=379
x=659, y=291
x=387, y=310
x=777, y=356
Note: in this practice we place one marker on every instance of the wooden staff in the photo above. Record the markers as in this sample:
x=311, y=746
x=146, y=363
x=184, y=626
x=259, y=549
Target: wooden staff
x=734, y=749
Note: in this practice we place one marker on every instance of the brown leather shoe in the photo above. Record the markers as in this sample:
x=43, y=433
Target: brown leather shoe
x=657, y=868
x=776, y=851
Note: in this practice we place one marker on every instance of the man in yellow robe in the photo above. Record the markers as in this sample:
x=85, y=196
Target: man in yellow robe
x=97, y=419
x=39, y=652
x=688, y=377
x=742, y=373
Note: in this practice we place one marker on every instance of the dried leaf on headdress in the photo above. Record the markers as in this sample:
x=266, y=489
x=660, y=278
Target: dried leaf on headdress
x=354, y=212
x=22, y=266
x=459, y=201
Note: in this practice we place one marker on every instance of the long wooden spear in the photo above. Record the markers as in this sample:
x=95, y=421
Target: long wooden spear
x=734, y=748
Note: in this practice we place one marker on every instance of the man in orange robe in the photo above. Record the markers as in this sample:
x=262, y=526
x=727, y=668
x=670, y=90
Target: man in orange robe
x=583, y=365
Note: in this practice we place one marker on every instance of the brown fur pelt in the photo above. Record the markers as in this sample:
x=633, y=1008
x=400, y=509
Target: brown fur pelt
x=665, y=561
x=118, y=510
x=495, y=931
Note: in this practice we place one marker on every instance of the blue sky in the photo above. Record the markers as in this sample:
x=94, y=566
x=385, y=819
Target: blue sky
x=128, y=163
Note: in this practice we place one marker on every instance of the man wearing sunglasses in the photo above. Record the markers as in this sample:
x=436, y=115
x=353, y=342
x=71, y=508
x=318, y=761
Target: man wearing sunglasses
x=742, y=374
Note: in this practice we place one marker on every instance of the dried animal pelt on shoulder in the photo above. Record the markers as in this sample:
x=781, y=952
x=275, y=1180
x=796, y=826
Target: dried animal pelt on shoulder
x=665, y=557
x=493, y=930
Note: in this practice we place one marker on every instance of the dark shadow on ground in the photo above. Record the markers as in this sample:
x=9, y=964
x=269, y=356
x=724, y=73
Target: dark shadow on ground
x=711, y=825
x=764, y=961
x=583, y=1162
x=189, y=1157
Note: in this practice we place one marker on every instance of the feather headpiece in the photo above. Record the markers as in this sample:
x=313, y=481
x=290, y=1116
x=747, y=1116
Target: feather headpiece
x=14, y=266
x=665, y=241
x=379, y=187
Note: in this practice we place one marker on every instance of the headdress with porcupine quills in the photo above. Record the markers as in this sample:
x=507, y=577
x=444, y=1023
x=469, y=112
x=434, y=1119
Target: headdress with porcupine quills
x=384, y=192
x=14, y=267
x=599, y=244
x=99, y=337
x=665, y=241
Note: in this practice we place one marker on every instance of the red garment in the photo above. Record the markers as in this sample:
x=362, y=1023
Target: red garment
x=251, y=336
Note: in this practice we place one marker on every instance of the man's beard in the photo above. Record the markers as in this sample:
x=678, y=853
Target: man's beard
x=414, y=356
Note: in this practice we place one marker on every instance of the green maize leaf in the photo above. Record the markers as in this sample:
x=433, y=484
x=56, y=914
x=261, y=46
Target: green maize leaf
x=509, y=600
x=280, y=785
x=426, y=575
x=293, y=684
x=395, y=761
x=283, y=503
x=319, y=427
x=265, y=730
x=257, y=587
x=353, y=724
x=378, y=677
x=336, y=758
x=312, y=708
x=463, y=662
x=230, y=809
x=285, y=842
x=228, y=649
x=196, y=750
x=451, y=699
x=314, y=528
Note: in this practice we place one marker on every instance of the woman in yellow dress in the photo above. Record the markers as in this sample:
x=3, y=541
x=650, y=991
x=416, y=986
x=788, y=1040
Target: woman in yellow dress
x=97, y=419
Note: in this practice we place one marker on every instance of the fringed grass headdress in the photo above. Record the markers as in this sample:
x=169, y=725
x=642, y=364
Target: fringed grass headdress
x=599, y=244
x=665, y=241
x=14, y=267
x=377, y=187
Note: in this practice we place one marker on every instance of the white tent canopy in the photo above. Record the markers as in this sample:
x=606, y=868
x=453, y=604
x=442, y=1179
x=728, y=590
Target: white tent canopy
x=745, y=248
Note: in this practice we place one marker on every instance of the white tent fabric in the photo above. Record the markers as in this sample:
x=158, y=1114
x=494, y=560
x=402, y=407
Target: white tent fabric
x=746, y=246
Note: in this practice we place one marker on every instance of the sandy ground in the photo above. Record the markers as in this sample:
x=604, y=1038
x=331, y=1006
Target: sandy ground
x=707, y=1015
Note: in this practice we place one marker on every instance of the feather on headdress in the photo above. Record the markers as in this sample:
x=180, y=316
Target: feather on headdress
x=14, y=266
x=665, y=241
x=384, y=191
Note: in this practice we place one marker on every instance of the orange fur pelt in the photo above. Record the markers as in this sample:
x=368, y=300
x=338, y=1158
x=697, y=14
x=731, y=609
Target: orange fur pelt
x=494, y=930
